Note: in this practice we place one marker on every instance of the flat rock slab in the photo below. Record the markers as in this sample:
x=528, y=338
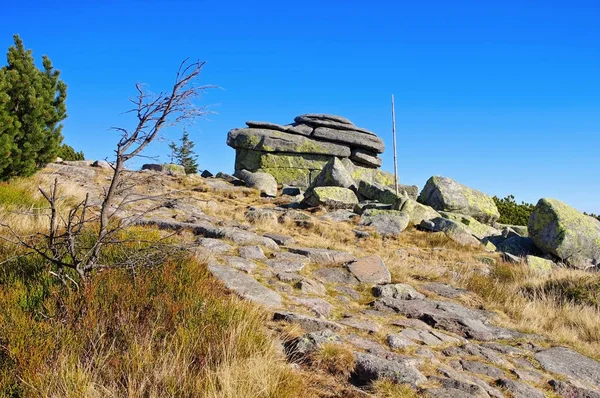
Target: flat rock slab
x=309, y=286
x=323, y=256
x=284, y=265
x=308, y=323
x=428, y=337
x=351, y=138
x=252, y=253
x=214, y=245
x=240, y=263
x=481, y=368
x=570, y=364
x=399, y=291
x=245, y=286
x=318, y=306
x=335, y=275
x=518, y=389
x=452, y=317
x=280, y=239
x=361, y=324
x=370, y=269
x=570, y=390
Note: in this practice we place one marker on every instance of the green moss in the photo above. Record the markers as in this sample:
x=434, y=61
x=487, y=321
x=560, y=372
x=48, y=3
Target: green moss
x=539, y=265
x=288, y=176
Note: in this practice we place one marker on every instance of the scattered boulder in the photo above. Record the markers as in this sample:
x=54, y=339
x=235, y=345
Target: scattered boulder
x=229, y=178
x=477, y=229
x=323, y=256
x=399, y=291
x=167, y=168
x=445, y=194
x=370, y=270
x=102, y=164
x=252, y=253
x=331, y=197
x=206, y=174
x=558, y=229
x=369, y=368
x=264, y=182
x=418, y=212
x=380, y=193
x=455, y=231
x=386, y=222
x=539, y=265
x=517, y=245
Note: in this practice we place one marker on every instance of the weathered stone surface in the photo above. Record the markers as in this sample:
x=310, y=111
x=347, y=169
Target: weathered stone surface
x=459, y=387
x=397, y=341
x=445, y=194
x=102, y=164
x=428, y=337
x=334, y=174
x=444, y=290
x=335, y=275
x=253, y=160
x=361, y=324
x=447, y=393
x=370, y=269
x=301, y=129
x=280, y=239
x=216, y=246
x=325, y=116
x=570, y=364
x=323, y=256
x=348, y=291
x=307, y=323
x=369, y=368
x=288, y=276
x=481, y=368
x=477, y=229
x=319, y=306
x=240, y=263
x=245, y=286
x=350, y=138
x=371, y=204
x=331, y=197
x=455, y=231
x=277, y=141
x=385, y=222
x=380, y=193
x=256, y=214
x=517, y=245
x=310, y=286
x=557, y=228
x=418, y=212
x=570, y=390
x=252, y=253
x=399, y=291
x=452, y=317
x=297, y=177
x=237, y=235
x=285, y=264
x=340, y=215
x=167, y=168
x=330, y=123
x=291, y=191
x=518, y=389
x=264, y=182
x=539, y=265
x=229, y=178
x=365, y=158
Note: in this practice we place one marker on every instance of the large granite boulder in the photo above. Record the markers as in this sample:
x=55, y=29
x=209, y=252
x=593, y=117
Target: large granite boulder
x=445, y=194
x=167, y=168
x=418, y=212
x=558, y=229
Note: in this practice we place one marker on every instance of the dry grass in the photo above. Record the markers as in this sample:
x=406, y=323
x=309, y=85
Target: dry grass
x=386, y=388
x=335, y=359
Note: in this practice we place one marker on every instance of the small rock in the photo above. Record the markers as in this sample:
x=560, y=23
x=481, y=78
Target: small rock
x=245, y=286
x=310, y=342
x=481, y=368
x=518, y=389
x=369, y=368
x=399, y=291
x=397, y=341
x=240, y=263
x=361, y=234
x=252, y=253
x=214, y=245
x=385, y=222
x=318, y=306
x=428, y=337
x=310, y=286
x=324, y=256
x=361, y=324
x=285, y=265
x=370, y=270
x=288, y=276
x=335, y=275
x=280, y=239
x=307, y=323
x=206, y=174
x=264, y=182
x=539, y=265
x=291, y=191
x=570, y=390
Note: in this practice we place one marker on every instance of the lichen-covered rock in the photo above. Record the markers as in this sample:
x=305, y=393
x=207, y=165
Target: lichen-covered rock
x=365, y=158
x=264, y=182
x=334, y=174
x=350, y=138
x=381, y=193
x=167, y=168
x=385, y=222
x=455, y=231
x=331, y=197
x=278, y=141
x=252, y=160
x=476, y=228
x=418, y=212
x=539, y=265
x=445, y=194
x=370, y=269
x=557, y=228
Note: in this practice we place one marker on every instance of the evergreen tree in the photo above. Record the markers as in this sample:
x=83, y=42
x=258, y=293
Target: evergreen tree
x=32, y=105
x=66, y=152
x=184, y=154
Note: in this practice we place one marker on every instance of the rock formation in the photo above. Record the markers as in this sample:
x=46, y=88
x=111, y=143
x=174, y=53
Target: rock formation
x=295, y=153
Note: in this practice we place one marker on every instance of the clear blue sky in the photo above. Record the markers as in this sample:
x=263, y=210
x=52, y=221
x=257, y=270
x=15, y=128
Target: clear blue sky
x=503, y=96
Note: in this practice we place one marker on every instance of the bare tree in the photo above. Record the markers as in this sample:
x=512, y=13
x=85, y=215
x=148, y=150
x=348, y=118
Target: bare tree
x=61, y=245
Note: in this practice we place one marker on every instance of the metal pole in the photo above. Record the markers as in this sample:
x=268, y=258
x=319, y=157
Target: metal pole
x=394, y=135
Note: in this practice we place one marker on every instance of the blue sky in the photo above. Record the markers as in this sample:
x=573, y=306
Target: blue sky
x=503, y=96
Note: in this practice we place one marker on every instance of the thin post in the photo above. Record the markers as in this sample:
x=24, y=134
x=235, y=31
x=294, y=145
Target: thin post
x=394, y=135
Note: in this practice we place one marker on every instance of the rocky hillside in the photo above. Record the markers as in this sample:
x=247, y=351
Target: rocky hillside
x=390, y=294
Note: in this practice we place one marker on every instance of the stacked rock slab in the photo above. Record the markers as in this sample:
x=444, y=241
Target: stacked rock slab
x=296, y=153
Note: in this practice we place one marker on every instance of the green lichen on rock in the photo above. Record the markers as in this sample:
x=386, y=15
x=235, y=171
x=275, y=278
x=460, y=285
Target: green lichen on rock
x=539, y=265
x=476, y=228
x=331, y=197
x=380, y=193
x=445, y=194
x=418, y=212
x=559, y=229
x=289, y=176
x=253, y=160
x=173, y=169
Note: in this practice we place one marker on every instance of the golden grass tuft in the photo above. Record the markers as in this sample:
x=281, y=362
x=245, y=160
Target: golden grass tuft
x=335, y=359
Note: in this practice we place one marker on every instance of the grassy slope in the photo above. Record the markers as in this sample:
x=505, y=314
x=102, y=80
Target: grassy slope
x=172, y=330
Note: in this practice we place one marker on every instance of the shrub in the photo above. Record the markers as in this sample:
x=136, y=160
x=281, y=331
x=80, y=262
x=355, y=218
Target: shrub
x=511, y=212
x=66, y=152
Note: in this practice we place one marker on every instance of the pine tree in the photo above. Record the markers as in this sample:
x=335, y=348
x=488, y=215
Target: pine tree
x=32, y=105
x=184, y=154
x=66, y=152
